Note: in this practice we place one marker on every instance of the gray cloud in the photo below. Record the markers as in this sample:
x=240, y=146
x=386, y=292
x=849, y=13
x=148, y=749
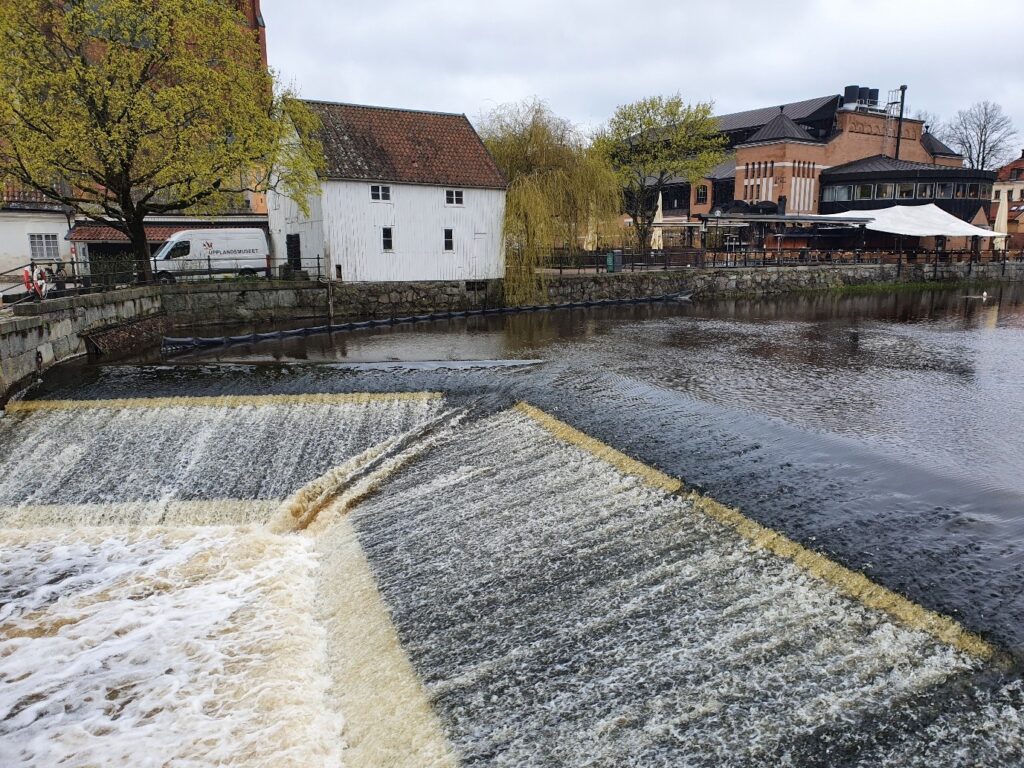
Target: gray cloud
x=585, y=58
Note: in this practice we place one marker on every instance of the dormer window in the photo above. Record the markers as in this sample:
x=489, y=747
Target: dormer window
x=453, y=197
x=380, y=192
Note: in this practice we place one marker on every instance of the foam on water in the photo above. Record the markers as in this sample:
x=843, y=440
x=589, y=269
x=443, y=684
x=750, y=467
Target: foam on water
x=180, y=453
x=562, y=613
x=162, y=646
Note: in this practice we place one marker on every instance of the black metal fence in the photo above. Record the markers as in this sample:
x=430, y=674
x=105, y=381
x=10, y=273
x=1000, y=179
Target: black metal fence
x=626, y=260
x=56, y=278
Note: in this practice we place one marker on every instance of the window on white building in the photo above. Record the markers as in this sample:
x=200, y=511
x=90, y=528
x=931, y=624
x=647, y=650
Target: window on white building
x=449, y=239
x=387, y=239
x=43, y=247
x=453, y=196
x=380, y=192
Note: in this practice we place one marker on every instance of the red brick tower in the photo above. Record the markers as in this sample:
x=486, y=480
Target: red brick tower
x=251, y=9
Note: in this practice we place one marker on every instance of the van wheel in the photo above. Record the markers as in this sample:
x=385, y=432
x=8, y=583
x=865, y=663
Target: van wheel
x=165, y=278
x=248, y=273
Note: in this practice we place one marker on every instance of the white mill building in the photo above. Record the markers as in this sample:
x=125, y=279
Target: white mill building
x=404, y=195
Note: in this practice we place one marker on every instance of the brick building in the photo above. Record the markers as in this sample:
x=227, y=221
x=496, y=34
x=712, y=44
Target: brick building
x=253, y=15
x=780, y=158
x=1008, y=203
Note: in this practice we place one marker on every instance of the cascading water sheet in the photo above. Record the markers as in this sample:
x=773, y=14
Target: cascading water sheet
x=433, y=592
x=562, y=611
x=184, y=461
x=127, y=643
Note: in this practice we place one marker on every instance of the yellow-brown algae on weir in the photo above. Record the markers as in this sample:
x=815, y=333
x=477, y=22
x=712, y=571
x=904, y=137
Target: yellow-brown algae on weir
x=851, y=583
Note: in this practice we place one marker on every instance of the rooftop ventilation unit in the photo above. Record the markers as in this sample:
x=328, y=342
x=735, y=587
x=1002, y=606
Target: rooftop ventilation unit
x=861, y=99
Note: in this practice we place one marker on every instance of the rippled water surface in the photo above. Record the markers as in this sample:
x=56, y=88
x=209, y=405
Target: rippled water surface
x=882, y=430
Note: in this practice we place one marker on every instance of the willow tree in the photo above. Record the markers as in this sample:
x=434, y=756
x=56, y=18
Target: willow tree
x=121, y=109
x=560, y=190
x=653, y=142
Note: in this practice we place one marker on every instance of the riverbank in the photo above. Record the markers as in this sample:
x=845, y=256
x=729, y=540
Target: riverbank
x=36, y=336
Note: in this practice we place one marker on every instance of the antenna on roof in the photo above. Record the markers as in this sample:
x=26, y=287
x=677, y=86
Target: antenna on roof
x=782, y=109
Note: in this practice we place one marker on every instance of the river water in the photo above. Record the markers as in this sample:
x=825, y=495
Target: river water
x=884, y=431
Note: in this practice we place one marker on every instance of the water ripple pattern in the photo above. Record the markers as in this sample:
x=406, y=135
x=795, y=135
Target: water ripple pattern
x=561, y=612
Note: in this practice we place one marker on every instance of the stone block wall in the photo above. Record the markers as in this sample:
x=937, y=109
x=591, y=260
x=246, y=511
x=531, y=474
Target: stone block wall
x=369, y=301
x=35, y=336
x=709, y=283
x=242, y=301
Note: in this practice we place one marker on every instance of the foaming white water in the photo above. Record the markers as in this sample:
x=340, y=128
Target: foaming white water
x=157, y=647
x=181, y=453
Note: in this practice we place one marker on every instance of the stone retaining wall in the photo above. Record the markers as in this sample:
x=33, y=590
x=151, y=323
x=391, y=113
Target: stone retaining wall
x=38, y=335
x=35, y=336
x=708, y=283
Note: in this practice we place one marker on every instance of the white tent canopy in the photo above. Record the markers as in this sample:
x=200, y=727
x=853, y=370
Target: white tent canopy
x=918, y=221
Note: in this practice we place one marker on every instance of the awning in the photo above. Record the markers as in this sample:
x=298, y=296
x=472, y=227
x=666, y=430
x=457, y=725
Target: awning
x=918, y=221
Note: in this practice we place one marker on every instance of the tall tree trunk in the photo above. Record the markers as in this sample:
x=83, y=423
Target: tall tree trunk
x=140, y=247
x=644, y=227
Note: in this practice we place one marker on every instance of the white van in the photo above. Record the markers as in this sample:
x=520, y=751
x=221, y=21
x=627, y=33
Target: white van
x=212, y=252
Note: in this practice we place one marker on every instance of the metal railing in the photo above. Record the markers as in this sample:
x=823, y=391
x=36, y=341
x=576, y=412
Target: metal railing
x=57, y=278
x=626, y=260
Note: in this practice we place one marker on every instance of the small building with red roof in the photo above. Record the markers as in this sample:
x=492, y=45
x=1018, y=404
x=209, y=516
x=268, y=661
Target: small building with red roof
x=404, y=195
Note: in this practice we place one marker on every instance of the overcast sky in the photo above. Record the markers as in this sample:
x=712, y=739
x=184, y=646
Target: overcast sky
x=585, y=58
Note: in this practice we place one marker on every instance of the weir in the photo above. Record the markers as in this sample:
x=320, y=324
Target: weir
x=412, y=586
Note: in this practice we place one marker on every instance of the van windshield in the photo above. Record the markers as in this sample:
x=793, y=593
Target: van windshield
x=173, y=250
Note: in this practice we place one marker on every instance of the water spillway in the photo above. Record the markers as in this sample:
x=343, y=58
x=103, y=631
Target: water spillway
x=203, y=460
x=485, y=590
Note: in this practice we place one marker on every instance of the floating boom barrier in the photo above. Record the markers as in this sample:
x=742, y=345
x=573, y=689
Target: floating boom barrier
x=175, y=344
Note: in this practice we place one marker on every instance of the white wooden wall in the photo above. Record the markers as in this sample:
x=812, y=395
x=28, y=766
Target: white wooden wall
x=346, y=225
x=418, y=216
x=285, y=218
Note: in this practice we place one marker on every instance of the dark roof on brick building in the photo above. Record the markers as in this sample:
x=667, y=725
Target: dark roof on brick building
x=724, y=170
x=780, y=128
x=364, y=143
x=936, y=148
x=883, y=164
x=798, y=110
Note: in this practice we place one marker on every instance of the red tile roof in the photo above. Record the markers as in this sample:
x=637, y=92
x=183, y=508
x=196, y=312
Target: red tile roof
x=97, y=233
x=403, y=146
x=1004, y=173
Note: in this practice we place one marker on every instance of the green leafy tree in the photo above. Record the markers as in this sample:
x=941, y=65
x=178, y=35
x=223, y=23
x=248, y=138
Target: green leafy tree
x=560, y=190
x=122, y=109
x=652, y=142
